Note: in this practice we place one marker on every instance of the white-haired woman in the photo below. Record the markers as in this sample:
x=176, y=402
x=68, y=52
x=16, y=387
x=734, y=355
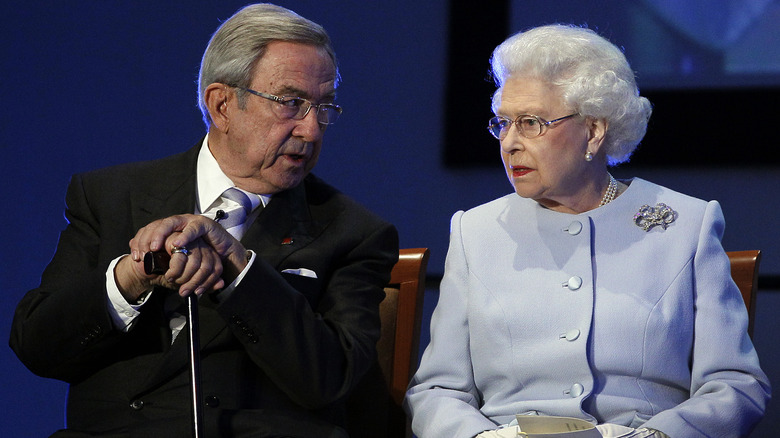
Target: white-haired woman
x=587, y=297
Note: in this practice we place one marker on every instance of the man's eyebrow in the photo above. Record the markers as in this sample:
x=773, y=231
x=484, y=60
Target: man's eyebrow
x=291, y=91
x=297, y=92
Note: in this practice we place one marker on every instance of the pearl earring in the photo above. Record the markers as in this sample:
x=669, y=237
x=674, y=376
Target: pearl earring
x=589, y=156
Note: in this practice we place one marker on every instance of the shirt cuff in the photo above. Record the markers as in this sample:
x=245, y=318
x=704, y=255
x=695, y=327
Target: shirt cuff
x=123, y=314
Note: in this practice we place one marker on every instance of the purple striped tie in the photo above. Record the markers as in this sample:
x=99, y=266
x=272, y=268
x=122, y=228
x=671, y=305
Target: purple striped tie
x=235, y=217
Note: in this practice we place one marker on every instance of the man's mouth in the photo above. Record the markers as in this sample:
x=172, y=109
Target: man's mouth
x=296, y=158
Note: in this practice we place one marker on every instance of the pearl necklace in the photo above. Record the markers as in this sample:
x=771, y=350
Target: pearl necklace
x=609, y=195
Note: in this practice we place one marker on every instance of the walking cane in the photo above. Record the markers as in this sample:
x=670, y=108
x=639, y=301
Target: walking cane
x=195, y=388
x=157, y=263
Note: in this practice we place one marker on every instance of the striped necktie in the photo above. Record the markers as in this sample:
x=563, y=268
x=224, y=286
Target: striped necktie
x=233, y=217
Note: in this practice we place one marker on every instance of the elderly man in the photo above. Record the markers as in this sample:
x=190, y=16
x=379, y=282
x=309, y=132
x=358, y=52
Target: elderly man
x=288, y=270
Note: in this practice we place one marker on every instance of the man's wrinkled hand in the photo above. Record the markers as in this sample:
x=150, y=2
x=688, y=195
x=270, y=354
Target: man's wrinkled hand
x=211, y=257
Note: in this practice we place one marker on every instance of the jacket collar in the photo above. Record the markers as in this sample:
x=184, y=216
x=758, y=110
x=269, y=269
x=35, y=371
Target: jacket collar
x=172, y=191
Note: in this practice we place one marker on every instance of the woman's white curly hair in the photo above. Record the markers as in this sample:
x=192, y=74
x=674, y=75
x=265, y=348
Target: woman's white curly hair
x=592, y=74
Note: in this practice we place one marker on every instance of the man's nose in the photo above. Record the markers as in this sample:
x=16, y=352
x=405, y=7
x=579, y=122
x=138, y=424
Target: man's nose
x=308, y=128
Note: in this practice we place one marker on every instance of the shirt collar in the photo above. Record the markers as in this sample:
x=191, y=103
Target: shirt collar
x=212, y=181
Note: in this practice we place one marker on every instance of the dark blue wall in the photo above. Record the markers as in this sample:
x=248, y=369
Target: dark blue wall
x=88, y=84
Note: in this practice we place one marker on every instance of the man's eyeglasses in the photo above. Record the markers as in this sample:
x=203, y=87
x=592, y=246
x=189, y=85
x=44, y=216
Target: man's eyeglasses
x=296, y=108
x=528, y=125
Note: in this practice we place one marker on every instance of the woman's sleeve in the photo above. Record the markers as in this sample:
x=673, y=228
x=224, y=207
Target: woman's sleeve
x=729, y=391
x=442, y=399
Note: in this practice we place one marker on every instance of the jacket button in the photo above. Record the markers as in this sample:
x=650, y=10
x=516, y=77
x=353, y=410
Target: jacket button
x=212, y=401
x=574, y=228
x=137, y=404
x=573, y=283
x=575, y=391
x=571, y=335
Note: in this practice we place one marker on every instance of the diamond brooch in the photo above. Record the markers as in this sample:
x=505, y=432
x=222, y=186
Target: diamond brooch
x=648, y=216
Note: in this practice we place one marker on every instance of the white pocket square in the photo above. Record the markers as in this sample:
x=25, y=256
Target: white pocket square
x=303, y=272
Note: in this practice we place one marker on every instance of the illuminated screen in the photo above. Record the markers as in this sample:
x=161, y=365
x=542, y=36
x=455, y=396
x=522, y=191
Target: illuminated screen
x=700, y=62
x=674, y=44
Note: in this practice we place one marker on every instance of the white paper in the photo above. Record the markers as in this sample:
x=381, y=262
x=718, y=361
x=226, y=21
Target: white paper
x=555, y=427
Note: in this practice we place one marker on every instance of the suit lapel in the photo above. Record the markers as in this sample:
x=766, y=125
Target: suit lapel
x=170, y=190
x=283, y=227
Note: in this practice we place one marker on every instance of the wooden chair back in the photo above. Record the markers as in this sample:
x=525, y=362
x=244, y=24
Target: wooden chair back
x=744, y=271
x=375, y=409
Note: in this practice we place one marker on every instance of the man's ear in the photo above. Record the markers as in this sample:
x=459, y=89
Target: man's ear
x=216, y=97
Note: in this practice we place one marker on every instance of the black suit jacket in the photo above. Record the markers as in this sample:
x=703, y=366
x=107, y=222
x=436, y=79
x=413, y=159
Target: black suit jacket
x=279, y=355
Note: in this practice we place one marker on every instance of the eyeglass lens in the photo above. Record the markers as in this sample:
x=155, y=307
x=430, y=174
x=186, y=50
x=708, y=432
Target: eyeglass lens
x=529, y=126
x=297, y=108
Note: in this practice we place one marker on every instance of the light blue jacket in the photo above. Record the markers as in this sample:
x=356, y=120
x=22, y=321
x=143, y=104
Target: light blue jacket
x=589, y=316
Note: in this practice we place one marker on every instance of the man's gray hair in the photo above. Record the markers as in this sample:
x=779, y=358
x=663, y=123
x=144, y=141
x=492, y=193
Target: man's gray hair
x=241, y=41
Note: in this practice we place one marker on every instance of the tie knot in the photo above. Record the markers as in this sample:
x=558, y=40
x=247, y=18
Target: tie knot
x=232, y=217
x=240, y=197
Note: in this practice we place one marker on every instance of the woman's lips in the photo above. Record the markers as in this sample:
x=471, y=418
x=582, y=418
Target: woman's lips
x=518, y=171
